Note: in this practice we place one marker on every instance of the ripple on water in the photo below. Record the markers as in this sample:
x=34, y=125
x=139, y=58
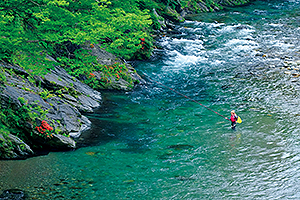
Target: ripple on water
x=152, y=143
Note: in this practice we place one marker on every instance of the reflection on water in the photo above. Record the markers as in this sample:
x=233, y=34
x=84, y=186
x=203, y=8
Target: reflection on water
x=152, y=143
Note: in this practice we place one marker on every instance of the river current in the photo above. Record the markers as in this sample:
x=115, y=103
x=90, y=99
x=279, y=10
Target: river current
x=152, y=143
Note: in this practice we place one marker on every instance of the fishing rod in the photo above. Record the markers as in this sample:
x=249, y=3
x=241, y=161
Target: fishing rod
x=186, y=97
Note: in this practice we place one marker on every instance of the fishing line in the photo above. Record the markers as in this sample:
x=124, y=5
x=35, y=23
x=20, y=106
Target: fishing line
x=186, y=97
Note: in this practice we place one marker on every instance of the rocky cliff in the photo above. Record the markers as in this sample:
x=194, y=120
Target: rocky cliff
x=47, y=112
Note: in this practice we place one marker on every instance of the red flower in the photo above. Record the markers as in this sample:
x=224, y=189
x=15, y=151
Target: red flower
x=142, y=39
x=44, y=127
x=91, y=75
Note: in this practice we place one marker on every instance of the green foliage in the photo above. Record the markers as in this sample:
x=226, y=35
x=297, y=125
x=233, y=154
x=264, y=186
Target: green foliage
x=35, y=63
x=39, y=26
x=4, y=141
x=32, y=29
x=4, y=131
x=45, y=94
x=2, y=75
x=12, y=119
x=85, y=65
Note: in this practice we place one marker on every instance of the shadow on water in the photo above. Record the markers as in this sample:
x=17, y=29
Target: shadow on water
x=108, y=126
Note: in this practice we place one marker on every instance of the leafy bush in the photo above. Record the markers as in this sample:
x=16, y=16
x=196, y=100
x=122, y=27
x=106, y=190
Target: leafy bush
x=39, y=25
x=83, y=66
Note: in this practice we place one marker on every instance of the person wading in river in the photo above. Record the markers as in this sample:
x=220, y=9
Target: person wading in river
x=233, y=119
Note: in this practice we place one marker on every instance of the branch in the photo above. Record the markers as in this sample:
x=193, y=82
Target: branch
x=35, y=3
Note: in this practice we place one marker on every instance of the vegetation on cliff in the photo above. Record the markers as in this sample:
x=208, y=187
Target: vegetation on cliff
x=32, y=29
x=36, y=36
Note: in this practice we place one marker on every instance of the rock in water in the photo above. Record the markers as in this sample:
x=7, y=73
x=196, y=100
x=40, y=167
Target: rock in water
x=13, y=194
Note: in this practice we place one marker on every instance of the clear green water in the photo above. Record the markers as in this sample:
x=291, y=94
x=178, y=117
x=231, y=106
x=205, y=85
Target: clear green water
x=152, y=143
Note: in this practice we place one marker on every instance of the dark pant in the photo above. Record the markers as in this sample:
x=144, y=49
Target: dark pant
x=233, y=124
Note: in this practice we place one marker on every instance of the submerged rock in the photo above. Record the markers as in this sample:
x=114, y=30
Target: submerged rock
x=13, y=194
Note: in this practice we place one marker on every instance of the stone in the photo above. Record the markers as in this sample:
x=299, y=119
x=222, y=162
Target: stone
x=160, y=19
x=106, y=58
x=172, y=15
x=61, y=142
x=13, y=194
x=21, y=148
x=61, y=111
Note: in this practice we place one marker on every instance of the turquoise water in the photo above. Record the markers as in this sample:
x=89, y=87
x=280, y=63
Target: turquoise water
x=152, y=143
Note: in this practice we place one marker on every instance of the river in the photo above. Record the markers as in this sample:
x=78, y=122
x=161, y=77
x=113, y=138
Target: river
x=152, y=143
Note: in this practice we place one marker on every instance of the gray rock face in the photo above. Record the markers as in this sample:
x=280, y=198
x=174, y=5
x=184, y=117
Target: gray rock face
x=61, y=142
x=106, y=58
x=103, y=57
x=13, y=147
x=59, y=100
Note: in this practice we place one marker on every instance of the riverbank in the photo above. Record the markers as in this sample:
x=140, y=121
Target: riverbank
x=47, y=86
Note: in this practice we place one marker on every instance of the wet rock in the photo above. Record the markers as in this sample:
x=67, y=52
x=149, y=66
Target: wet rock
x=13, y=194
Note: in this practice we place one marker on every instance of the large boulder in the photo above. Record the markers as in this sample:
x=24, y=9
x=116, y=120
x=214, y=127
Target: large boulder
x=106, y=58
x=12, y=147
x=57, y=99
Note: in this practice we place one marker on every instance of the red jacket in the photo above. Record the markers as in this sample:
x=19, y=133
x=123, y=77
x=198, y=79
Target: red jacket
x=233, y=118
